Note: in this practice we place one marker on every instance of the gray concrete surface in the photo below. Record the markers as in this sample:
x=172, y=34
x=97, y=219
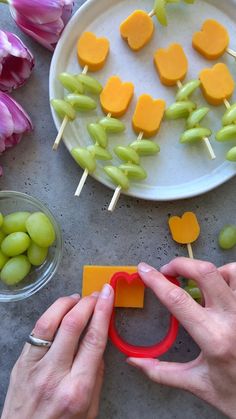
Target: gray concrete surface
x=136, y=231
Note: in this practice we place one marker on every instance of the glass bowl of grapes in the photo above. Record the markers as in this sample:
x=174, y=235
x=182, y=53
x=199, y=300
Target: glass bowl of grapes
x=30, y=246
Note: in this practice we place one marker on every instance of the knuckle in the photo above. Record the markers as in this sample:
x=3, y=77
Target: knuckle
x=177, y=296
x=94, y=340
x=206, y=268
x=71, y=323
x=76, y=400
x=44, y=327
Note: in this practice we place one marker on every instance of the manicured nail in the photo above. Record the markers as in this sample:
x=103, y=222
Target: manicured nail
x=143, y=267
x=75, y=296
x=106, y=291
x=164, y=268
x=95, y=294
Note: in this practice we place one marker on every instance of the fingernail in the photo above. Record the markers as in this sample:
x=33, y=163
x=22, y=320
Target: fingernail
x=106, y=291
x=164, y=268
x=143, y=267
x=95, y=294
x=75, y=296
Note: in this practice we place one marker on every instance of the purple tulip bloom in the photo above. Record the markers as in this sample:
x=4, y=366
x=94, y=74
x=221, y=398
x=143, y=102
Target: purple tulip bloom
x=14, y=122
x=16, y=62
x=43, y=20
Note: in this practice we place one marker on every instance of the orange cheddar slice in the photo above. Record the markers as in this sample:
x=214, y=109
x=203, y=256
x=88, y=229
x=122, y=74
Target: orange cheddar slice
x=92, y=51
x=217, y=83
x=171, y=64
x=148, y=115
x=137, y=29
x=94, y=277
x=116, y=96
x=212, y=41
x=185, y=229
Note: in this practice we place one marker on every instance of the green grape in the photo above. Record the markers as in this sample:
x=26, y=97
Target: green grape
x=187, y=89
x=112, y=125
x=127, y=154
x=1, y=219
x=226, y=134
x=195, y=134
x=63, y=109
x=231, y=155
x=145, y=147
x=2, y=236
x=98, y=134
x=229, y=116
x=189, y=1
x=15, y=244
x=15, y=270
x=180, y=110
x=227, y=237
x=40, y=229
x=84, y=158
x=160, y=11
x=90, y=83
x=81, y=103
x=192, y=283
x=37, y=255
x=196, y=117
x=133, y=171
x=117, y=176
x=15, y=222
x=71, y=83
x=3, y=259
x=99, y=152
x=194, y=292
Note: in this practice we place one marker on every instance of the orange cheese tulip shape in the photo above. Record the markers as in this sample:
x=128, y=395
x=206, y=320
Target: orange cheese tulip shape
x=116, y=96
x=171, y=64
x=185, y=229
x=217, y=84
x=212, y=41
x=148, y=115
x=137, y=29
x=92, y=51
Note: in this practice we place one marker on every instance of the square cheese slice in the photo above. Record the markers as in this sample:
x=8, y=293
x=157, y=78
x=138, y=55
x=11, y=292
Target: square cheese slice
x=127, y=295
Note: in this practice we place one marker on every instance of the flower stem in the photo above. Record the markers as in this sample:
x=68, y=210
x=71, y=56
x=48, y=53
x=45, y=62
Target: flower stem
x=4, y=1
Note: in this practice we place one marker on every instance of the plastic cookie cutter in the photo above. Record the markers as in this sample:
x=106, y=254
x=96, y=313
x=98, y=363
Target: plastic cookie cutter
x=153, y=351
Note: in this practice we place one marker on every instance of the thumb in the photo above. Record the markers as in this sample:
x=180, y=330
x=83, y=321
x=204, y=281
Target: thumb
x=186, y=376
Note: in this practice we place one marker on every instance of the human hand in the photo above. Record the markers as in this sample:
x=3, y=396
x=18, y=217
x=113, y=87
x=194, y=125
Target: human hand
x=212, y=376
x=65, y=380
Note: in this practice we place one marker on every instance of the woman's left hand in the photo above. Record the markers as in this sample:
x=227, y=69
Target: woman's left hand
x=65, y=380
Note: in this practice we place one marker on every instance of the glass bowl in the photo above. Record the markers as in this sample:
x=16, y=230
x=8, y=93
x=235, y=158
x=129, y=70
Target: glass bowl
x=11, y=201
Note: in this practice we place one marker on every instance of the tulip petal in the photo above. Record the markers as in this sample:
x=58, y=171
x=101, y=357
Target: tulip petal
x=39, y=11
x=6, y=124
x=21, y=119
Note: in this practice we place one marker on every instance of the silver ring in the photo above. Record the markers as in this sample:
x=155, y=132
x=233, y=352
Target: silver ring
x=32, y=340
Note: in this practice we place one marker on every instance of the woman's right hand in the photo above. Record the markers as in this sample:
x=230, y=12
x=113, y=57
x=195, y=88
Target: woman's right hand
x=212, y=376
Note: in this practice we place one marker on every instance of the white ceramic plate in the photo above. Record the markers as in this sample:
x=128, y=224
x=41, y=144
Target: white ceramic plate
x=179, y=171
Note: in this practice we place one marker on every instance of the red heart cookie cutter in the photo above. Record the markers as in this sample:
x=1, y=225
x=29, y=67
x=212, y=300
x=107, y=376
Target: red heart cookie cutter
x=153, y=351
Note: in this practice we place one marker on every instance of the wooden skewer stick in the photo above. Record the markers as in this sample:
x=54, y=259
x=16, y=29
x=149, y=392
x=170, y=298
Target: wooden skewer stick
x=205, y=139
x=60, y=133
x=85, y=173
x=231, y=52
x=64, y=122
x=81, y=183
x=151, y=14
x=227, y=104
x=190, y=251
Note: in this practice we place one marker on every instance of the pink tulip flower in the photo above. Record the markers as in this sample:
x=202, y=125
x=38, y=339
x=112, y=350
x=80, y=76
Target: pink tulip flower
x=14, y=122
x=16, y=62
x=43, y=20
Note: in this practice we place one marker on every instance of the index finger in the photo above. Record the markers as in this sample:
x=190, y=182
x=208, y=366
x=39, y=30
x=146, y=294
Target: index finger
x=208, y=277
x=190, y=314
x=94, y=342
